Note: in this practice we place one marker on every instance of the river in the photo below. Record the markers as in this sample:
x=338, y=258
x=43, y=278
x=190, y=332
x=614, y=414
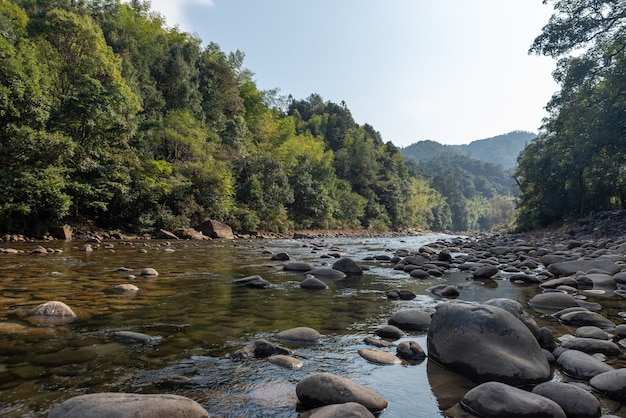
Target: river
x=197, y=318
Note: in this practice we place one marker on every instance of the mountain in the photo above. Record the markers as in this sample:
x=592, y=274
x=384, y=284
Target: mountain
x=501, y=149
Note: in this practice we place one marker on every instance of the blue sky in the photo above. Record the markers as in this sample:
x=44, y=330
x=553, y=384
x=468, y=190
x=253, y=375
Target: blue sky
x=452, y=71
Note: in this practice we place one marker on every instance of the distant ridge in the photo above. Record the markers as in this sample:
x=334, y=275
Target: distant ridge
x=501, y=149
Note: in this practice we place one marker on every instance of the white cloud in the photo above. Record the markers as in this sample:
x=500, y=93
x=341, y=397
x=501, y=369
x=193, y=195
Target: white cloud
x=174, y=11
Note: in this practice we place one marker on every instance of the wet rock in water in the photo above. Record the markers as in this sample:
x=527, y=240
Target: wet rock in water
x=313, y=283
x=281, y=257
x=260, y=349
x=298, y=266
x=255, y=282
x=567, y=268
x=587, y=318
x=164, y=234
x=133, y=337
x=486, y=343
x=126, y=287
x=348, y=266
x=546, y=339
x=498, y=400
x=379, y=357
x=52, y=313
x=611, y=383
x=517, y=310
x=376, y=342
x=445, y=291
x=128, y=405
x=389, y=331
x=344, y=410
x=561, y=281
x=485, y=272
x=326, y=389
x=620, y=330
x=592, y=332
x=592, y=346
x=524, y=278
x=553, y=301
x=402, y=294
x=410, y=350
x=410, y=320
x=284, y=361
x=575, y=401
x=327, y=274
x=149, y=271
x=300, y=336
x=581, y=365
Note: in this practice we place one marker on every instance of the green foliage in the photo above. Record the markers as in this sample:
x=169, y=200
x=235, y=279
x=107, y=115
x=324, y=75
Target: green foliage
x=109, y=116
x=576, y=165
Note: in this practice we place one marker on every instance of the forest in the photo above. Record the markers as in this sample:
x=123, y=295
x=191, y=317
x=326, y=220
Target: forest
x=577, y=164
x=110, y=118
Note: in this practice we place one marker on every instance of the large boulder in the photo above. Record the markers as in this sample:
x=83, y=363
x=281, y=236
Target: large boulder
x=327, y=389
x=486, y=343
x=97, y=405
x=215, y=229
x=497, y=400
x=63, y=232
x=348, y=266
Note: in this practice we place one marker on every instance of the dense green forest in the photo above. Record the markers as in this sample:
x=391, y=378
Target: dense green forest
x=577, y=164
x=110, y=118
x=501, y=150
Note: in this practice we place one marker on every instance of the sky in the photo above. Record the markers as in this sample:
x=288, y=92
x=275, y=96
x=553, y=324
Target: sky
x=451, y=71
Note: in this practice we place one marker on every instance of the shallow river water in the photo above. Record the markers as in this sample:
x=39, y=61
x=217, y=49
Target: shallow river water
x=197, y=318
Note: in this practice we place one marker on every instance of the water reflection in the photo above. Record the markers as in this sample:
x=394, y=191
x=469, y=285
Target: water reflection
x=197, y=318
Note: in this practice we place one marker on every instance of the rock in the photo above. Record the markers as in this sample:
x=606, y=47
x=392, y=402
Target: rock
x=575, y=401
x=255, y=282
x=377, y=342
x=410, y=320
x=284, y=361
x=133, y=337
x=327, y=274
x=581, y=365
x=281, y=257
x=148, y=271
x=546, y=339
x=348, y=266
x=620, y=330
x=486, y=343
x=313, y=283
x=63, y=232
x=326, y=389
x=259, y=349
x=300, y=336
x=52, y=313
x=592, y=332
x=410, y=350
x=445, y=291
x=515, y=308
x=498, y=400
x=485, y=272
x=553, y=301
x=163, y=234
x=611, y=383
x=567, y=268
x=189, y=233
x=390, y=331
x=344, y=410
x=126, y=287
x=215, y=229
x=297, y=266
x=402, y=294
x=379, y=357
x=592, y=346
x=96, y=405
x=587, y=318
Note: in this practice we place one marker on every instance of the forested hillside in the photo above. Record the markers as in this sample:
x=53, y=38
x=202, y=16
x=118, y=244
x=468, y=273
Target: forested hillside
x=110, y=118
x=577, y=164
x=501, y=149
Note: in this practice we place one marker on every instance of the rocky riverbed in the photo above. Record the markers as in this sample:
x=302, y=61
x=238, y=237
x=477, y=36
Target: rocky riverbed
x=557, y=353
